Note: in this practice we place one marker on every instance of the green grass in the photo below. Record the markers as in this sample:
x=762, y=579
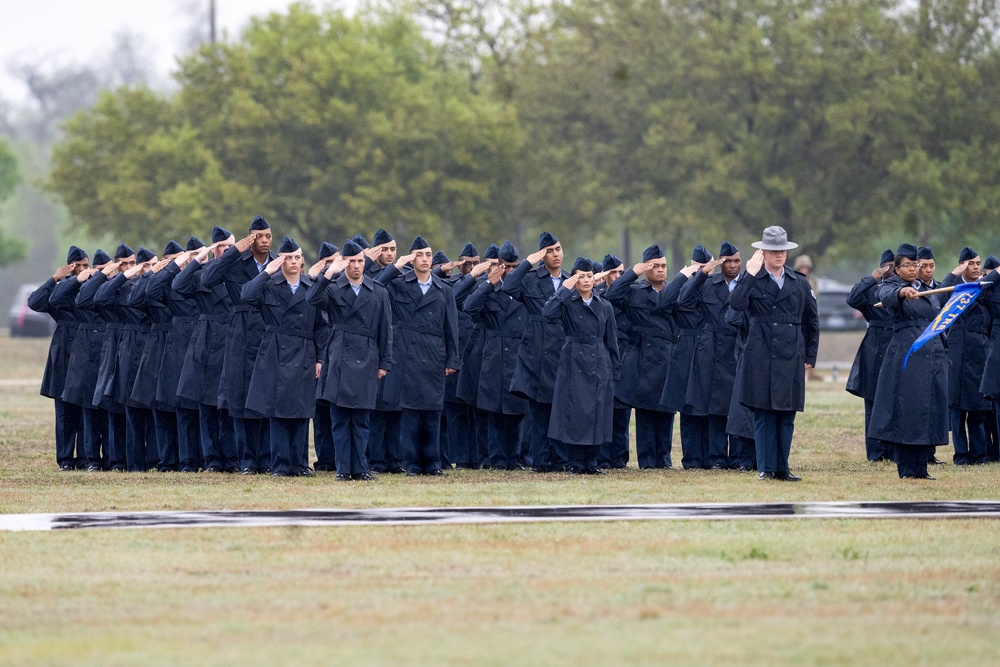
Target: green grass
x=821, y=592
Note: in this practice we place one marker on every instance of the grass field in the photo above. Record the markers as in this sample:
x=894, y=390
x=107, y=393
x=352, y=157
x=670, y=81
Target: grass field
x=830, y=592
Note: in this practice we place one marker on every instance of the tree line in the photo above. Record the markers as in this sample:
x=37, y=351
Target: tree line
x=851, y=123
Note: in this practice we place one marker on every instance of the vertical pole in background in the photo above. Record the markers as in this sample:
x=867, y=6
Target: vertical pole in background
x=211, y=21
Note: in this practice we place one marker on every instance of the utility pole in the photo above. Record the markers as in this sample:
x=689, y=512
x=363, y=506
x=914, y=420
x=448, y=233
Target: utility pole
x=211, y=21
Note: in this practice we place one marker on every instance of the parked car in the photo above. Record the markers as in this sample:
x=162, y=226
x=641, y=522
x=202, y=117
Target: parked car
x=24, y=321
x=834, y=313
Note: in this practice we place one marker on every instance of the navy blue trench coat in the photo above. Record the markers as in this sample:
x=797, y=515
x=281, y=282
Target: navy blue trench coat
x=911, y=405
x=582, y=404
x=85, y=355
x=782, y=338
x=503, y=320
x=360, y=343
x=283, y=383
x=425, y=340
x=538, y=356
x=713, y=365
x=67, y=325
x=863, y=378
x=201, y=372
x=654, y=335
x=246, y=328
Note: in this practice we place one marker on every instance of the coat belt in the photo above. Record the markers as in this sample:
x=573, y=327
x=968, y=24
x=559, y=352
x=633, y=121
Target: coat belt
x=419, y=328
x=351, y=328
x=291, y=331
x=497, y=333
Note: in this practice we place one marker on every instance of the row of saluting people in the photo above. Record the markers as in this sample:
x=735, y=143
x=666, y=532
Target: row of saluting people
x=216, y=357
x=950, y=384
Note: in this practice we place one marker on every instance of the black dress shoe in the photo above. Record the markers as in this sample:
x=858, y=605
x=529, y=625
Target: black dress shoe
x=574, y=470
x=919, y=477
x=936, y=461
x=323, y=467
x=540, y=469
x=364, y=477
x=213, y=469
x=343, y=477
x=398, y=470
x=93, y=468
x=305, y=472
x=746, y=469
x=279, y=473
x=787, y=477
x=248, y=471
x=718, y=466
x=765, y=475
x=64, y=467
x=435, y=473
x=410, y=473
x=593, y=471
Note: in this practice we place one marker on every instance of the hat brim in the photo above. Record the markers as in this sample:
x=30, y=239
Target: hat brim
x=760, y=245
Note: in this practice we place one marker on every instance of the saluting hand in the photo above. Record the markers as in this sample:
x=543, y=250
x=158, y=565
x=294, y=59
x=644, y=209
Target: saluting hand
x=496, y=273
x=373, y=252
x=244, y=243
x=131, y=273
x=110, y=269
x=202, y=255
x=878, y=273
x=570, y=283
x=159, y=265
x=85, y=274
x=319, y=266
x=478, y=269
x=274, y=265
x=600, y=275
x=960, y=269
x=712, y=264
x=63, y=271
x=640, y=268
x=756, y=263
x=336, y=267
x=536, y=257
x=691, y=269
x=404, y=260
x=448, y=267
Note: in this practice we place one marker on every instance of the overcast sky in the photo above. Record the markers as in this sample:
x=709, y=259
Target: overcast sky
x=77, y=30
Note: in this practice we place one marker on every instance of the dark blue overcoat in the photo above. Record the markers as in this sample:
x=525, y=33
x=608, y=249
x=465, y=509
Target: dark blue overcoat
x=201, y=372
x=360, y=343
x=283, y=382
x=85, y=355
x=651, y=345
x=425, y=340
x=67, y=324
x=183, y=321
x=713, y=366
x=689, y=322
x=538, y=355
x=148, y=373
x=863, y=378
x=583, y=401
x=117, y=385
x=911, y=405
x=968, y=348
x=246, y=328
x=503, y=320
x=782, y=338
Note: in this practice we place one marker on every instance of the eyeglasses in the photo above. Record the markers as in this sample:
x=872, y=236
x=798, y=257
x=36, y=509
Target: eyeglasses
x=908, y=265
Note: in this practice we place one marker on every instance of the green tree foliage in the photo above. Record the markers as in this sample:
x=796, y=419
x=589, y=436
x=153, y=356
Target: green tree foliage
x=324, y=124
x=11, y=249
x=691, y=121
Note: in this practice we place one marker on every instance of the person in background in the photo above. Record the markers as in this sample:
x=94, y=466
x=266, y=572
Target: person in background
x=70, y=453
x=614, y=454
x=910, y=411
x=84, y=362
x=713, y=371
x=425, y=340
x=288, y=363
x=358, y=355
x=781, y=346
x=968, y=346
x=863, y=378
x=582, y=402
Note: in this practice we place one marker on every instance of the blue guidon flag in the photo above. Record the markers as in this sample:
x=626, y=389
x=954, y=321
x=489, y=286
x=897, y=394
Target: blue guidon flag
x=960, y=300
